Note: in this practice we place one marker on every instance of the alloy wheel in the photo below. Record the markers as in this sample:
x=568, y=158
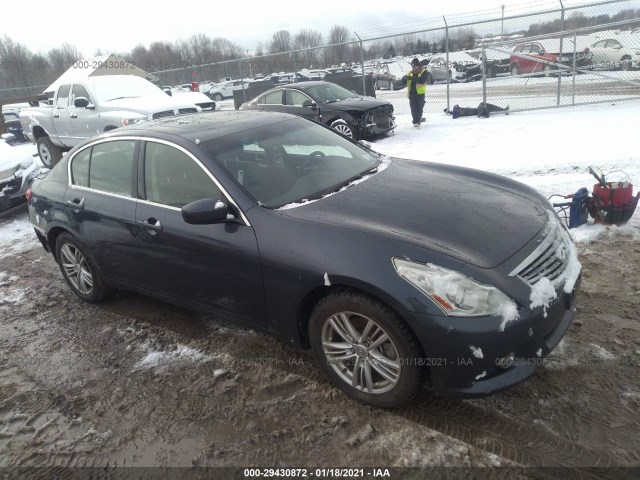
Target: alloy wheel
x=76, y=269
x=361, y=352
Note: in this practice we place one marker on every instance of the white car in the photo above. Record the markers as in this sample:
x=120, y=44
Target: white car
x=225, y=89
x=18, y=168
x=615, y=54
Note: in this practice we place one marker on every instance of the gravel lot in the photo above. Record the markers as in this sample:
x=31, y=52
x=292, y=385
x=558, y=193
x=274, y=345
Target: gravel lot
x=138, y=382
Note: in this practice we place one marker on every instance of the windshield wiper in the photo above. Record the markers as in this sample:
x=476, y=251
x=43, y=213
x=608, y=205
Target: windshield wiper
x=360, y=175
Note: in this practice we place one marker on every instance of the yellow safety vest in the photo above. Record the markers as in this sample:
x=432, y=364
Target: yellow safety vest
x=421, y=88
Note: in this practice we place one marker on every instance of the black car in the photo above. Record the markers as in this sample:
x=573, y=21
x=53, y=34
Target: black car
x=392, y=271
x=347, y=112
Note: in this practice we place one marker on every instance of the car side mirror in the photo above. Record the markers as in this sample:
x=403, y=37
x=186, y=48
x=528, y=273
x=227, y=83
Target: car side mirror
x=83, y=102
x=168, y=91
x=309, y=103
x=205, y=212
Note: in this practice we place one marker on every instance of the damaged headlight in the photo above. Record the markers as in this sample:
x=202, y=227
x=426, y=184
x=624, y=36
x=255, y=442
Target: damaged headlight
x=456, y=294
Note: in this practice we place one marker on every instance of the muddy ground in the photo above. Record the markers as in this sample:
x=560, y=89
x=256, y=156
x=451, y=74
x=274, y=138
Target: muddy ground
x=138, y=382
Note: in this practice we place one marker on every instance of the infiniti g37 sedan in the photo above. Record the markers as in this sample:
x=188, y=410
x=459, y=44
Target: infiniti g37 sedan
x=393, y=272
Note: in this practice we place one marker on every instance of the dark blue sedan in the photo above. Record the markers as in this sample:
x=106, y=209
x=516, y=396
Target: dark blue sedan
x=394, y=272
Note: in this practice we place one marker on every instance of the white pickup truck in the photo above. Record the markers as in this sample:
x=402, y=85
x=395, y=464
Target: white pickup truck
x=84, y=108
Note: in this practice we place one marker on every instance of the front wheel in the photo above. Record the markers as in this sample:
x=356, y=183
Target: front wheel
x=515, y=70
x=49, y=153
x=217, y=97
x=79, y=271
x=365, y=349
x=343, y=127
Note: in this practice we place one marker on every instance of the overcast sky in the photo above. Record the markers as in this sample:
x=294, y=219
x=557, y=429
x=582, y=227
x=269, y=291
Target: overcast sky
x=119, y=25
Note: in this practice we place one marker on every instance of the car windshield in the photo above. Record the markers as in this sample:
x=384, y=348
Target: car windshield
x=330, y=93
x=290, y=161
x=113, y=87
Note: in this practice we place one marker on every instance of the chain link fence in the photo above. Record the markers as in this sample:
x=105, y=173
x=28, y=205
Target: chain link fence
x=558, y=56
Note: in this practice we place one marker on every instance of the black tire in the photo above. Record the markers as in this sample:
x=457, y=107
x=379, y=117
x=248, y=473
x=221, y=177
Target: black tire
x=49, y=153
x=344, y=128
x=625, y=63
x=515, y=70
x=548, y=70
x=374, y=322
x=491, y=71
x=79, y=270
x=217, y=97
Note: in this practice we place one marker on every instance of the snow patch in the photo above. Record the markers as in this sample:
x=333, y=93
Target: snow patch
x=182, y=353
x=509, y=312
x=327, y=283
x=602, y=352
x=542, y=293
x=482, y=375
x=477, y=352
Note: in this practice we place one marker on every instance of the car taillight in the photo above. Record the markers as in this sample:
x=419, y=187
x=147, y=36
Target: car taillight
x=29, y=195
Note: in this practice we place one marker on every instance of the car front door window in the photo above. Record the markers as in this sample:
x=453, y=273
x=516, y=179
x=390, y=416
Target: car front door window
x=174, y=179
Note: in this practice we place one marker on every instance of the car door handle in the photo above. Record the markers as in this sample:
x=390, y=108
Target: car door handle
x=76, y=203
x=151, y=224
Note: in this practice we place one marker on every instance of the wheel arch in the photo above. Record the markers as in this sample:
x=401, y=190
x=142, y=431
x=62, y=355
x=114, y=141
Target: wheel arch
x=52, y=238
x=38, y=132
x=311, y=299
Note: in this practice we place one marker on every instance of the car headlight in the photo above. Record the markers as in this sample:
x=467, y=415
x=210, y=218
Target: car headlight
x=131, y=121
x=455, y=293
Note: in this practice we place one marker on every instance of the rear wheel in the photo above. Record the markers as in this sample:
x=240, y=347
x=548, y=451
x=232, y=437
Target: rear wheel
x=365, y=348
x=625, y=63
x=515, y=70
x=217, y=97
x=343, y=127
x=49, y=153
x=547, y=69
x=79, y=270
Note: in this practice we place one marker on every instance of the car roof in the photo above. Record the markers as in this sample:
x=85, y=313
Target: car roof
x=201, y=127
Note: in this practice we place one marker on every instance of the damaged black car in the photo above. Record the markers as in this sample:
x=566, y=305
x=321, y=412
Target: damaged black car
x=347, y=112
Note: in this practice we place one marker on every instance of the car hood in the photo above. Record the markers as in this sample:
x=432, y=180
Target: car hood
x=477, y=217
x=359, y=103
x=148, y=105
x=11, y=157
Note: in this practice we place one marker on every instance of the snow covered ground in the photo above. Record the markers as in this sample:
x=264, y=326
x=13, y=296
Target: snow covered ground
x=550, y=150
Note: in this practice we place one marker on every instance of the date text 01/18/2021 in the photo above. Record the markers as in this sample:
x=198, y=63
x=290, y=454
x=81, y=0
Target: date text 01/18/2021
x=316, y=472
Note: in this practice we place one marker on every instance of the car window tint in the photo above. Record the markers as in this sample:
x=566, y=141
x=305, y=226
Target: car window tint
x=295, y=98
x=273, y=98
x=600, y=44
x=80, y=91
x=111, y=166
x=173, y=178
x=80, y=168
x=63, y=96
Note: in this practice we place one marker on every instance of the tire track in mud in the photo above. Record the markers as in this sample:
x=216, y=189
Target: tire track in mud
x=513, y=440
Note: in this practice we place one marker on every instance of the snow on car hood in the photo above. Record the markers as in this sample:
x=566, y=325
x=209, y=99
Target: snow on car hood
x=12, y=157
x=477, y=217
x=148, y=105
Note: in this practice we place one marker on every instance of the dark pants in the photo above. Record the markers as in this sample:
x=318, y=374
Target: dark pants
x=416, y=102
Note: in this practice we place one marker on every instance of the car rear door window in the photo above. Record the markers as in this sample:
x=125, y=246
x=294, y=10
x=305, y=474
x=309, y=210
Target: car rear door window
x=173, y=178
x=273, y=98
x=111, y=167
x=80, y=168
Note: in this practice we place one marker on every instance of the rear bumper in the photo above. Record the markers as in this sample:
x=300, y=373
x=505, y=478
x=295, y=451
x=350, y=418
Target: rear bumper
x=472, y=357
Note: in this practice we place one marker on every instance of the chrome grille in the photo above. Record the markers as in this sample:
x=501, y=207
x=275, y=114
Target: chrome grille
x=549, y=259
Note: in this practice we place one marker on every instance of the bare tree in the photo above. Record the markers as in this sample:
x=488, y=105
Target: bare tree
x=338, y=51
x=281, y=42
x=308, y=39
x=61, y=58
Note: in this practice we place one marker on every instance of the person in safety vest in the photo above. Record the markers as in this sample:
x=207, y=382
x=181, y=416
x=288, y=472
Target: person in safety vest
x=416, y=81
